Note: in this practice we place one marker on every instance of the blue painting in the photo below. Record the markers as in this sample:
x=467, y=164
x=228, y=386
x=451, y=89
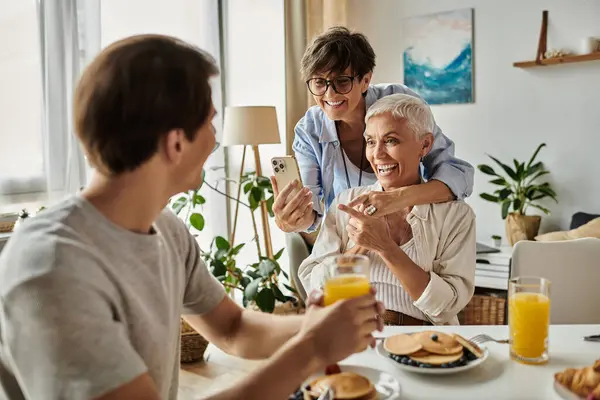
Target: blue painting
x=438, y=56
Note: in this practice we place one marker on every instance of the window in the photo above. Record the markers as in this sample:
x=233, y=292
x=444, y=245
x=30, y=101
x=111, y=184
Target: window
x=21, y=97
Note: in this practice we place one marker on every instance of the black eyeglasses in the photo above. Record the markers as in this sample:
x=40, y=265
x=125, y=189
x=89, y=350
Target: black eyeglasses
x=341, y=84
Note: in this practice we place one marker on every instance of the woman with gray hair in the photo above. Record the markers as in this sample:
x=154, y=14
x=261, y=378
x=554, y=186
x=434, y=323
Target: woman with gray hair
x=422, y=258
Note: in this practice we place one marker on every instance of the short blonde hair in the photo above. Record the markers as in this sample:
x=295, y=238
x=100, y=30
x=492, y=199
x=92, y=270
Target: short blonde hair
x=403, y=106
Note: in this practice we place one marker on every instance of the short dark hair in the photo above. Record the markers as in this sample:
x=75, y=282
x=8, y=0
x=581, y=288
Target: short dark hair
x=134, y=92
x=337, y=49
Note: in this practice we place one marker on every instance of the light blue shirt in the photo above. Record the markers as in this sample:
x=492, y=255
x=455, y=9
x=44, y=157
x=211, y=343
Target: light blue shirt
x=317, y=150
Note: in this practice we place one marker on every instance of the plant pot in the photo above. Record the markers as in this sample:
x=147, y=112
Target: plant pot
x=521, y=227
x=497, y=242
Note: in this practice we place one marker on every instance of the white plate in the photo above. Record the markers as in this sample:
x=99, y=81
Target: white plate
x=432, y=371
x=566, y=393
x=388, y=388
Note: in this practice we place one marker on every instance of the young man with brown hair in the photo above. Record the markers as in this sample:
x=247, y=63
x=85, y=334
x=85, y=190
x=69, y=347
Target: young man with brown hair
x=92, y=290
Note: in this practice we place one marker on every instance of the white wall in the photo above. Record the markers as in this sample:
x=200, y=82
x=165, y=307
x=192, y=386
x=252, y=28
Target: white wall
x=254, y=68
x=514, y=109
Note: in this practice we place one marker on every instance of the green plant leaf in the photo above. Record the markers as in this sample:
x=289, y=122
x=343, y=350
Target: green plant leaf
x=291, y=289
x=222, y=243
x=220, y=278
x=266, y=267
x=251, y=290
x=535, y=153
x=218, y=268
x=547, y=191
x=245, y=281
x=179, y=204
x=486, y=169
x=278, y=295
x=257, y=193
x=279, y=253
x=199, y=199
x=519, y=168
x=270, y=202
x=499, y=181
x=533, y=169
x=247, y=187
x=489, y=197
x=536, y=176
x=284, y=274
x=506, y=168
x=253, y=274
x=504, y=193
x=236, y=249
x=505, y=207
x=253, y=202
x=516, y=204
x=544, y=209
x=197, y=221
x=263, y=182
x=265, y=300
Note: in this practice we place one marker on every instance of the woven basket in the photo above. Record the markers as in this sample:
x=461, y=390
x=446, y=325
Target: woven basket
x=484, y=310
x=193, y=345
x=7, y=222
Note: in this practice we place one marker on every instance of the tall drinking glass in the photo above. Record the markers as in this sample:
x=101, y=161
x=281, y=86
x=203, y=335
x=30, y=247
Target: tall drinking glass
x=347, y=277
x=529, y=319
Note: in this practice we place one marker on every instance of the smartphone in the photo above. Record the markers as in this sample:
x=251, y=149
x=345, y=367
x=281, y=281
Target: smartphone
x=285, y=170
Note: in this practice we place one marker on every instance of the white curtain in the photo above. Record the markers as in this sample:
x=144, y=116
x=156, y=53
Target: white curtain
x=70, y=35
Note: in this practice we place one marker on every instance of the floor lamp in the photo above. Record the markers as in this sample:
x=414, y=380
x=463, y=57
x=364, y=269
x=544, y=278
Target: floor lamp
x=251, y=126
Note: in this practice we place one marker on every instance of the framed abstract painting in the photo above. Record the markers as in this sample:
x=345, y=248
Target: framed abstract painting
x=438, y=56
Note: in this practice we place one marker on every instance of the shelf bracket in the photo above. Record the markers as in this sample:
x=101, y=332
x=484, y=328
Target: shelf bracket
x=543, y=42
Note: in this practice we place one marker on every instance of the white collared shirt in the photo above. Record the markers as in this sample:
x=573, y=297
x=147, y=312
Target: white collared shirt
x=443, y=245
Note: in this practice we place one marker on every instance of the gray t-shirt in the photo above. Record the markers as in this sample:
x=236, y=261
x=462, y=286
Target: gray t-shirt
x=86, y=306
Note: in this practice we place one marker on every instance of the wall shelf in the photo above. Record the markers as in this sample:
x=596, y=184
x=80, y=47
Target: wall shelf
x=558, y=60
x=540, y=59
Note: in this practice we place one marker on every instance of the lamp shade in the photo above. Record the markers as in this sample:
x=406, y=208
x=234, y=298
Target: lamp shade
x=250, y=125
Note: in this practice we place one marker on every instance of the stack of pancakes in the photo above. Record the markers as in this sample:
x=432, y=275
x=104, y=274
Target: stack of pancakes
x=345, y=386
x=431, y=349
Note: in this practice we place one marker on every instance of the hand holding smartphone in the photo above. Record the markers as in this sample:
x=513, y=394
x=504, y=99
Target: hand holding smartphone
x=293, y=205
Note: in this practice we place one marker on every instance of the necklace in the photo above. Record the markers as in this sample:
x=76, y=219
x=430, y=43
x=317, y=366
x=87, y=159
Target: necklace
x=362, y=157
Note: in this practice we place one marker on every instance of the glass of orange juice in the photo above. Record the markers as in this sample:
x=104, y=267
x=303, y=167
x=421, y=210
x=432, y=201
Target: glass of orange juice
x=347, y=277
x=529, y=319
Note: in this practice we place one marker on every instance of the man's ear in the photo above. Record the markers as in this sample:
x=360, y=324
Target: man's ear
x=172, y=145
x=426, y=144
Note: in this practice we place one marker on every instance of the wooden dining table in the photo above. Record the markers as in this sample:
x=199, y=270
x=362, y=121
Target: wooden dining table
x=497, y=378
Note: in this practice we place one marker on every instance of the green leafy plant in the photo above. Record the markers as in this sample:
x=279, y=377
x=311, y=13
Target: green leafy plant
x=496, y=237
x=518, y=188
x=259, y=282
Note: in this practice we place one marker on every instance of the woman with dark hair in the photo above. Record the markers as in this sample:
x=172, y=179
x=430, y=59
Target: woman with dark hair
x=329, y=142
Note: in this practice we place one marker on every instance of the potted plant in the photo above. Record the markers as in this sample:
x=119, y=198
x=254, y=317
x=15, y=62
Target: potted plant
x=519, y=189
x=497, y=240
